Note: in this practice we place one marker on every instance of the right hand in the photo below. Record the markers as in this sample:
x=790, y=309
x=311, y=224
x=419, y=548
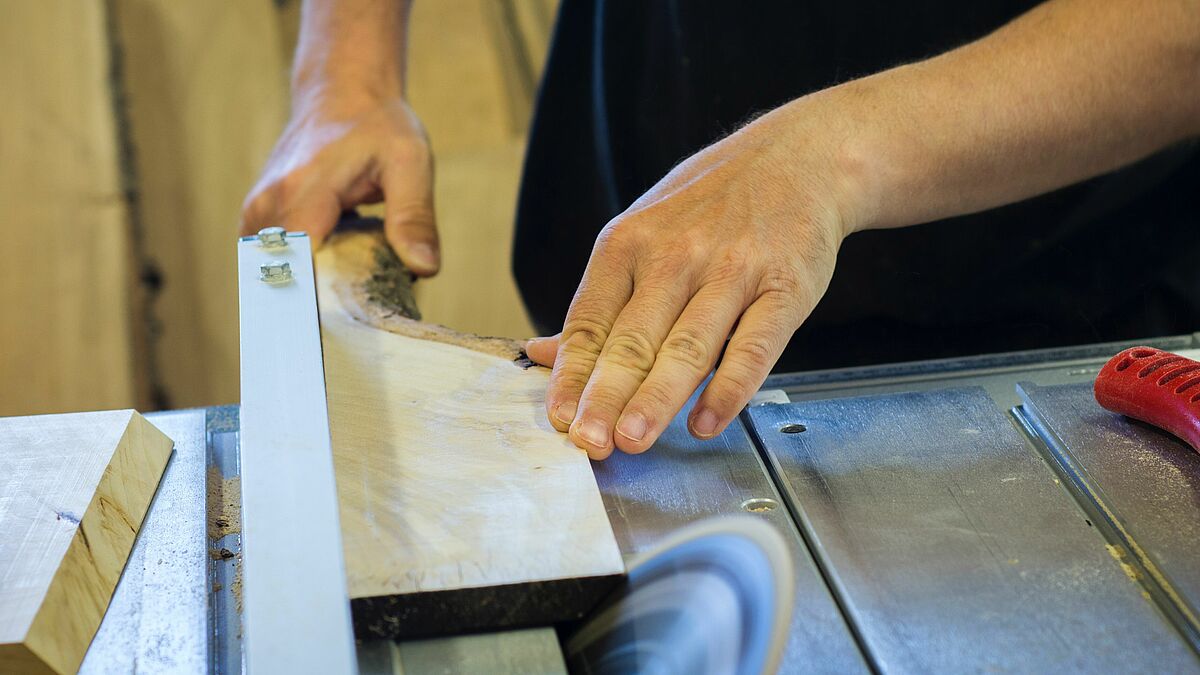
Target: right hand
x=336, y=155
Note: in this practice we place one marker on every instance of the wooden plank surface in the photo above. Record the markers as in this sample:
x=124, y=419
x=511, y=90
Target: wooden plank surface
x=206, y=87
x=66, y=333
x=73, y=491
x=461, y=508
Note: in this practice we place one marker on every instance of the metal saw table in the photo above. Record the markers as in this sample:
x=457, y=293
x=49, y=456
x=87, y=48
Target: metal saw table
x=966, y=515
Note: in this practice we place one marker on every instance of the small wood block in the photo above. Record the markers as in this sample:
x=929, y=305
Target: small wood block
x=73, y=491
x=461, y=507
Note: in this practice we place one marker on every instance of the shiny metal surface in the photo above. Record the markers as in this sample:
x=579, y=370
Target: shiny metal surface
x=1144, y=481
x=951, y=545
x=294, y=612
x=998, y=374
x=224, y=550
x=682, y=480
x=157, y=621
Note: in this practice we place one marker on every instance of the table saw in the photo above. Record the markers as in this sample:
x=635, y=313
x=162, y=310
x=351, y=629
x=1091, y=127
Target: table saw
x=961, y=515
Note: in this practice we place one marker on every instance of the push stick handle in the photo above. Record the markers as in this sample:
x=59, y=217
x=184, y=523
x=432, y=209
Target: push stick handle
x=1156, y=387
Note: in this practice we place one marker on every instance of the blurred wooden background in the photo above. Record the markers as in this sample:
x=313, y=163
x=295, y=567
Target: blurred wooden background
x=132, y=130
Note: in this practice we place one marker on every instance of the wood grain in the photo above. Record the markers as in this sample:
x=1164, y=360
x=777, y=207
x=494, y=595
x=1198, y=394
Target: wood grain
x=73, y=492
x=66, y=336
x=461, y=507
x=207, y=97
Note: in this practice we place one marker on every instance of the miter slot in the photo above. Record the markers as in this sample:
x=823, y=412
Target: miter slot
x=951, y=544
x=222, y=486
x=1142, y=483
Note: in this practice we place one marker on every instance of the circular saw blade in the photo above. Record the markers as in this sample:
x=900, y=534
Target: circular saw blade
x=714, y=597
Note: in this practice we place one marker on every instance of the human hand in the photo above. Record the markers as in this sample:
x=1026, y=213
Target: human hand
x=737, y=242
x=338, y=154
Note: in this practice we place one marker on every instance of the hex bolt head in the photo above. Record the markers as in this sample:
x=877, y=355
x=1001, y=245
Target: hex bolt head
x=275, y=272
x=272, y=237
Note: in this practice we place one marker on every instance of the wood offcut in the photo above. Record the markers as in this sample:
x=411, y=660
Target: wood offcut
x=73, y=492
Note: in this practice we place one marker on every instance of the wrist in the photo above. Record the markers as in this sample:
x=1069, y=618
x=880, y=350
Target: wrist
x=340, y=97
x=829, y=142
x=333, y=76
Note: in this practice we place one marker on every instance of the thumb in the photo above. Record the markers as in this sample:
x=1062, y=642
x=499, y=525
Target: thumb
x=542, y=350
x=409, y=221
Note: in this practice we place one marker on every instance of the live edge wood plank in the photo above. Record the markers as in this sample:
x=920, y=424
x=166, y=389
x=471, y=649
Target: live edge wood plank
x=74, y=489
x=461, y=507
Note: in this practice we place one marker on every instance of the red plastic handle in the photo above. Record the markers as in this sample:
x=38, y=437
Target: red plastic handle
x=1156, y=387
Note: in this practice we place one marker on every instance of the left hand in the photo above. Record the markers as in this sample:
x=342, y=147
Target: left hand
x=738, y=243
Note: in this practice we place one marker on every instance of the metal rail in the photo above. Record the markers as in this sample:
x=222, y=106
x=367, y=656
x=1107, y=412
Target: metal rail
x=296, y=618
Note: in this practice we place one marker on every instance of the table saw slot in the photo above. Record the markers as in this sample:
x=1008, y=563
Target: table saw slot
x=1141, y=484
x=223, y=519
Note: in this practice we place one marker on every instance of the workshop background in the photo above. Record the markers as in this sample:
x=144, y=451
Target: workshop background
x=132, y=130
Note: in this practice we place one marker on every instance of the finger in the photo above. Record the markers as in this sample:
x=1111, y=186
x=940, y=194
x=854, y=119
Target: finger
x=686, y=357
x=762, y=333
x=409, y=223
x=257, y=211
x=628, y=355
x=606, y=286
x=316, y=214
x=541, y=350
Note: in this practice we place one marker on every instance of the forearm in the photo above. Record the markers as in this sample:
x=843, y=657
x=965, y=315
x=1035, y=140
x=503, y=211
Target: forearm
x=1070, y=90
x=350, y=48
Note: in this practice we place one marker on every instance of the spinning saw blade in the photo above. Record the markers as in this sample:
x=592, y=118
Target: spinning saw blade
x=715, y=597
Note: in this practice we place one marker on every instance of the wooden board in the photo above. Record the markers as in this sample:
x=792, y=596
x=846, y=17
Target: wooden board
x=67, y=328
x=206, y=87
x=461, y=507
x=73, y=491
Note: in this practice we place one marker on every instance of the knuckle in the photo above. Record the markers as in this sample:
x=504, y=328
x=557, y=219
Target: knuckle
x=632, y=351
x=583, y=336
x=730, y=269
x=655, y=398
x=618, y=237
x=569, y=378
x=411, y=152
x=728, y=394
x=669, y=261
x=754, y=353
x=603, y=402
x=780, y=282
x=689, y=348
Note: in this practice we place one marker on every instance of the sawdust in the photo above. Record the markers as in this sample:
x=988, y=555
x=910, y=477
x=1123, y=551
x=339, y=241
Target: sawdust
x=224, y=504
x=1119, y=556
x=235, y=586
x=220, y=553
x=375, y=289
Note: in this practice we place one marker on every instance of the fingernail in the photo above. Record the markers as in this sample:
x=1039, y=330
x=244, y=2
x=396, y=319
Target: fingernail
x=632, y=426
x=533, y=342
x=705, y=423
x=424, y=254
x=565, y=412
x=594, y=433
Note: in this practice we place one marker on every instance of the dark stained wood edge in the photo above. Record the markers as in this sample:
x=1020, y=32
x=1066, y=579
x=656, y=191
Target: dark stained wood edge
x=539, y=603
